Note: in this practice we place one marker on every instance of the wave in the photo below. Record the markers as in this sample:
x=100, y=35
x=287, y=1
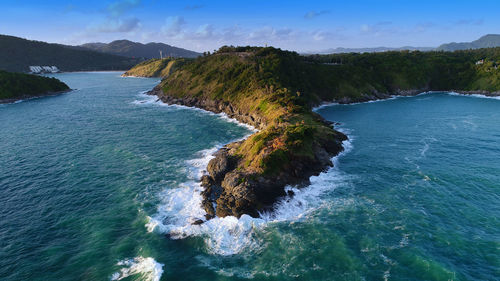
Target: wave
x=473, y=95
x=392, y=97
x=148, y=268
x=154, y=100
x=181, y=206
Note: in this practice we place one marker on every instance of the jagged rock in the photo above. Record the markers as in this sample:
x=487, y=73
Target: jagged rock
x=197, y=222
x=209, y=209
x=220, y=165
x=207, y=181
x=228, y=192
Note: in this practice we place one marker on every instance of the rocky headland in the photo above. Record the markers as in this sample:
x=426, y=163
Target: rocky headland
x=231, y=188
x=275, y=92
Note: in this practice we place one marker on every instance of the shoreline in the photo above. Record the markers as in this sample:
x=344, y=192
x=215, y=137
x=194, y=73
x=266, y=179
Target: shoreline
x=220, y=170
x=478, y=93
x=231, y=192
x=25, y=98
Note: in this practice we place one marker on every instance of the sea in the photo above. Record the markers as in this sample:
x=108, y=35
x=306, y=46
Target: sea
x=102, y=183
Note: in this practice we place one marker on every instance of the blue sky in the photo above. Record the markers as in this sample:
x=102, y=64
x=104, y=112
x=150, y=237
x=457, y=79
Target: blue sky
x=293, y=25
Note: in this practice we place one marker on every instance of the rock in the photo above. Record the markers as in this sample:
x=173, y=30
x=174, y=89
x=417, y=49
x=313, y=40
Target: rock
x=207, y=181
x=220, y=165
x=230, y=192
x=197, y=222
x=209, y=209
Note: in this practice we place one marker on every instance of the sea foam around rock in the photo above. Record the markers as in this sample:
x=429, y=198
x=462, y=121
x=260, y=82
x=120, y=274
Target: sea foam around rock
x=147, y=268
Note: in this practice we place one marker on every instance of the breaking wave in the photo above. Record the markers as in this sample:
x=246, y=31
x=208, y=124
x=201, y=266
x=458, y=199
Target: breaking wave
x=181, y=206
x=147, y=268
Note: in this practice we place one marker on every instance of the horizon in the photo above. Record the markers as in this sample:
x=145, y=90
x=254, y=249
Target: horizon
x=207, y=25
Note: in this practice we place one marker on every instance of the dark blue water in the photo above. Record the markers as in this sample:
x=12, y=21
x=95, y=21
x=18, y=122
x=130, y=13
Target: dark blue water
x=92, y=181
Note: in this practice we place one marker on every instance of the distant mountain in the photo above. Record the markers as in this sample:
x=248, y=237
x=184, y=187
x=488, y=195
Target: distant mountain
x=372, y=50
x=138, y=50
x=17, y=54
x=487, y=41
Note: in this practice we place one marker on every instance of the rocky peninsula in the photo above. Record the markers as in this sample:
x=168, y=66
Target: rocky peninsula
x=275, y=91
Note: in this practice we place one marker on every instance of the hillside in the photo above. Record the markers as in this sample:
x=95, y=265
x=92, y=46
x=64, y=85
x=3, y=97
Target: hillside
x=156, y=67
x=138, y=50
x=487, y=41
x=17, y=54
x=15, y=86
x=275, y=91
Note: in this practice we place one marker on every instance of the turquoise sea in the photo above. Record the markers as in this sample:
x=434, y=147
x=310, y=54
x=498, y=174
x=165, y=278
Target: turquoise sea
x=101, y=184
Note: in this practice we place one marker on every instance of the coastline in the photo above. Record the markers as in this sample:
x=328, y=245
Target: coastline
x=221, y=175
x=25, y=97
x=228, y=191
x=410, y=93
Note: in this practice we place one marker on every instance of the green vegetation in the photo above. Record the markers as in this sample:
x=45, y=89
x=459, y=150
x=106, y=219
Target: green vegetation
x=19, y=85
x=281, y=87
x=363, y=74
x=18, y=54
x=156, y=67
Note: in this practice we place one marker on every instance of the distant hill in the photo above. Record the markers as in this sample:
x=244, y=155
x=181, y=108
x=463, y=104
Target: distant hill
x=17, y=54
x=487, y=41
x=15, y=86
x=138, y=50
x=373, y=50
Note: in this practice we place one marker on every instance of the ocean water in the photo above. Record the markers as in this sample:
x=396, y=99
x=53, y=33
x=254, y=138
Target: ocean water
x=101, y=184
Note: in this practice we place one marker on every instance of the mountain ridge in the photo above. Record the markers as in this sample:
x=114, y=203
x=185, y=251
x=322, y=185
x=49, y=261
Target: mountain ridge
x=486, y=41
x=132, y=49
x=18, y=54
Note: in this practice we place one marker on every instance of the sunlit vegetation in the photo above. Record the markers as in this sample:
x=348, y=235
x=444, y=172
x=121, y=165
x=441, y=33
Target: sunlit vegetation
x=282, y=87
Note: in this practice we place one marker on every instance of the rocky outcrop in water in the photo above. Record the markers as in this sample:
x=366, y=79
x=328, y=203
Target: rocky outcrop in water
x=230, y=191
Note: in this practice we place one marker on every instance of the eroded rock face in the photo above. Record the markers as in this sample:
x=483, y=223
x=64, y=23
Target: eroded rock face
x=229, y=191
x=219, y=166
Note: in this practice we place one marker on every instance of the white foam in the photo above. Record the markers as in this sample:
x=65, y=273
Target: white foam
x=148, y=268
x=227, y=236
x=154, y=100
x=473, y=95
x=323, y=105
x=181, y=205
x=392, y=97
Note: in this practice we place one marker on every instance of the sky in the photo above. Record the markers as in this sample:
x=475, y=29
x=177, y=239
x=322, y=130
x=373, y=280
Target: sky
x=303, y=26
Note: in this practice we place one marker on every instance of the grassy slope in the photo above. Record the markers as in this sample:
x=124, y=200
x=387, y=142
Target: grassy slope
x=248, y=81
x=281, y=87
x=19, y=85
x=156, y=67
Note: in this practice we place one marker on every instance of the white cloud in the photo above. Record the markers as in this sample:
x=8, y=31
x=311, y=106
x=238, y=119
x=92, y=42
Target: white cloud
x=118, y=8
x=117, y=25
x=173, y=26
x=378, y=29
x=271, y=34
